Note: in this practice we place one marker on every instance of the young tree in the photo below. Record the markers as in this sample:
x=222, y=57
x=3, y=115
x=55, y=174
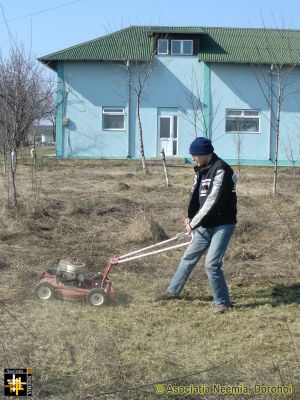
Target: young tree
x=51, y=118
x=138, y=74
x=52, y=113
x=194, y=95
x=24, y=99
x=238, y=139
x=139, y=69
x=276, y=84
x=291, y=146
x=165, y=166
x=275, y=89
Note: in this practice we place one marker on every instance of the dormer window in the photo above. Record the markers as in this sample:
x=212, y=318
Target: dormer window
x=163, y=46
x=182, y=47
x=175, y=47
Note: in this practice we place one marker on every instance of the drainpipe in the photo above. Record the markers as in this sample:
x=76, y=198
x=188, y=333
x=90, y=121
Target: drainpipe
x=128, y=108
x=271, y=110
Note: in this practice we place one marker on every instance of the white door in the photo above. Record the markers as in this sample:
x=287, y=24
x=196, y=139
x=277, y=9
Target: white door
x=168, y=134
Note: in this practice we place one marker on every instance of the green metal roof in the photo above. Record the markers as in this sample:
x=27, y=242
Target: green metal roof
x=133, y=43
x=278, y=46
x=238, y=45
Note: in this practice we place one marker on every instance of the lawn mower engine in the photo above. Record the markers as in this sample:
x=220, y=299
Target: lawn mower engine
x=71, y=272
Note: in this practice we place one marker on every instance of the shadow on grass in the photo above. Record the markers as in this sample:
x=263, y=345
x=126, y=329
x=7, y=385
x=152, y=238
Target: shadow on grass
x=56, y=385
x=254, y=297
x=286, y=294
x=275, y=296
x=123, y=299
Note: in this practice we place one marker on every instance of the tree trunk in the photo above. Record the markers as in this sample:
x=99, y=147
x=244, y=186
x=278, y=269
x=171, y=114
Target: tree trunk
x=14, y=190
x=294, y=168
x=54, y=131
x=275, y=172
x=141, y=137
x=165, y=166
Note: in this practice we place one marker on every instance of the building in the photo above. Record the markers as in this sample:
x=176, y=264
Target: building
x=43, y=134
x=223, y=83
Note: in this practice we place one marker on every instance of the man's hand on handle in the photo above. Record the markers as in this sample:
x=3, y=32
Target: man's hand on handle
x=187, y=229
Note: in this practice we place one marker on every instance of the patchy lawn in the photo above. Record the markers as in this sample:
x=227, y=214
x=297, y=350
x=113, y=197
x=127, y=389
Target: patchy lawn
x=97, y=209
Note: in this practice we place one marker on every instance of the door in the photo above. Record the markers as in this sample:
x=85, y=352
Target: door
x=168, y=134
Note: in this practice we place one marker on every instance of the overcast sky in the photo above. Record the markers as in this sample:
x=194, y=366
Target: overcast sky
x=50, y=25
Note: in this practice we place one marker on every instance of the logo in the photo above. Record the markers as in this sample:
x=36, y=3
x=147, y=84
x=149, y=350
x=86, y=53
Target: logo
x=18, y=382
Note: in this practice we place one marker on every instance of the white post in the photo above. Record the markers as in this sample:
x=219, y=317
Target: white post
x=165, y=166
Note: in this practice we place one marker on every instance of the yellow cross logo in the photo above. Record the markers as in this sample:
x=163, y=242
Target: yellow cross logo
x=15, y=385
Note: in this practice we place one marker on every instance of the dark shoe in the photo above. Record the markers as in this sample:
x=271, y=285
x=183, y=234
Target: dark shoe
x=167, y=296
x=222, y=309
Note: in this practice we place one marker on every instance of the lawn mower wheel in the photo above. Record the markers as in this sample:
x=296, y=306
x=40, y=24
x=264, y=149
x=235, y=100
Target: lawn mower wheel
x=44, y=291
x=96, y=297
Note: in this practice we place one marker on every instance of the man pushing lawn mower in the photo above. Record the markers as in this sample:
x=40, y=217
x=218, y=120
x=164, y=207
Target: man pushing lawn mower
x=209, y=226
x=211, y=217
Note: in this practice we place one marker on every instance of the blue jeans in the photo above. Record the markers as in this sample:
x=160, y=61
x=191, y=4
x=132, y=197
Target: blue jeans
x=216, y=241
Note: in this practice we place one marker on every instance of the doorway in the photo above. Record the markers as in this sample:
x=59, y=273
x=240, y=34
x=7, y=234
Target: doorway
x=168, y=134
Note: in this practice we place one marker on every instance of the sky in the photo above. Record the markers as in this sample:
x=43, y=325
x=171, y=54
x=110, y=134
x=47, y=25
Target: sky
x=46, y=26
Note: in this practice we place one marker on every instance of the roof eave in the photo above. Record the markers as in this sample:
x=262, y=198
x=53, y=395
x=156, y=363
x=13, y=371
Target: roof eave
x=261, y=62
x=52, y=64
x=151, y=32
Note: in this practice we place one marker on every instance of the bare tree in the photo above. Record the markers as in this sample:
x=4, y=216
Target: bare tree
x=277, y=86
x=138, y=74
x=291, y=147
x=51, y=116
x=195, y=92
x=165, y=166
x=238, y=139
x=24, y=99
x=52, y=120
x=275, y=83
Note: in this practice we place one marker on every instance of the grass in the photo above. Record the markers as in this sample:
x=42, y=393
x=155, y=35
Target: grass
x=91, y=210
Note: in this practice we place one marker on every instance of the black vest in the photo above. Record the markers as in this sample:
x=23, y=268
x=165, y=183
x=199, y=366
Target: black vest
x=223, y=209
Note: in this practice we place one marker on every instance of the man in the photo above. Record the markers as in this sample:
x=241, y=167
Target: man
x=211, y=217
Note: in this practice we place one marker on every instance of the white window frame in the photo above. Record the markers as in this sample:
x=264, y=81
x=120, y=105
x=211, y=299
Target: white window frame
x=158, y=52
x=170, y=115
x=176, y=40
x=188, y=40
x=242, y=114
x=181, y=47
x=113, y=111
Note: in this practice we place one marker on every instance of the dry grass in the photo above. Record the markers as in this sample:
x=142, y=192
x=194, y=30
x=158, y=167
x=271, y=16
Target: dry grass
x=96, y=209
x=144, y=229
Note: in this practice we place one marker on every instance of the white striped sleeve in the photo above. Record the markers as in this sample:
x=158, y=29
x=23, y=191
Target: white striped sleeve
x=210, y=200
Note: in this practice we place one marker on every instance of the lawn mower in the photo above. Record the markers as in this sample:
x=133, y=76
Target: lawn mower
x=69, y=282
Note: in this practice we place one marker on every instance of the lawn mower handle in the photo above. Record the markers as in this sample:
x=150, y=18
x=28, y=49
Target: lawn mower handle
x=179, y=236
x=130, y=256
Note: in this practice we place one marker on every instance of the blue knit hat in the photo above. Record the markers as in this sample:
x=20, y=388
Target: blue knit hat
x=201, y=147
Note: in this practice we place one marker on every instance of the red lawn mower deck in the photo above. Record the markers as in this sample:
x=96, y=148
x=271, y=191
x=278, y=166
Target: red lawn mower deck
x=68, y=281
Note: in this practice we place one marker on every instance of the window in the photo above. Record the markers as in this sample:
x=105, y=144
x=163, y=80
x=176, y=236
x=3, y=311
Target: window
x=162, y=46
x=165, y=127
x=242, y=121
x=187, y=47
x=176, y=47
x=113, y=119
x=182, y=47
